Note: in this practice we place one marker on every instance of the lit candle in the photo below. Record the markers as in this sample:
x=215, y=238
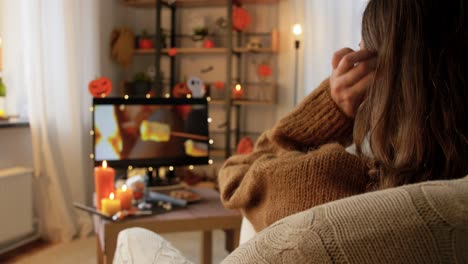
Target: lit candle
x=110, y=206
x=125, y=195
x=237, y=92
x=103, y=182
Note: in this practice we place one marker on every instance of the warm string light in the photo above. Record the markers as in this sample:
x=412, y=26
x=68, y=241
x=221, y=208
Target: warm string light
x=150, y=169
x=167, y=95
x=91, y=132
x=208, y=99
x=130, y=167
x=171, y=168
x=238, y=87
x=91, y=109
x=211, y=141
x=191, y=167
x=189, y=96
x=210, y=161
x=91, y=156
x=126, y=97
x=148, y=96
x=210, y=119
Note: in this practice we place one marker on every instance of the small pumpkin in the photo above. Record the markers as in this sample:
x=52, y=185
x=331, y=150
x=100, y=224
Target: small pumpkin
x=100, y=87
x=264, y=70
x=172, y=52
x=240, y=18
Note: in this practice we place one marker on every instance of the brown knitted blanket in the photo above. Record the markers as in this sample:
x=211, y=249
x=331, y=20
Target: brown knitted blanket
x=297, y=165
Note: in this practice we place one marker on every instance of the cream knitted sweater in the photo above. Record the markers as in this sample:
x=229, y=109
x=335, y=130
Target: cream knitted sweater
x=298, y=164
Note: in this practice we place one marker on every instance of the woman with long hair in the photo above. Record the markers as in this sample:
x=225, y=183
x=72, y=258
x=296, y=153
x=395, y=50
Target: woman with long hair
x=403, y=95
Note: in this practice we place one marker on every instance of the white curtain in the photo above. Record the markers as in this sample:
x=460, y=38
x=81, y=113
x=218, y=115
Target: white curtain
x=328, y=25
x=56, y=43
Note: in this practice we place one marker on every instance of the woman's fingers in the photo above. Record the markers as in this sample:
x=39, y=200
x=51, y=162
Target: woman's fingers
x=339, y=55
x=352, y=74
x=358, y=72
x=350, y=60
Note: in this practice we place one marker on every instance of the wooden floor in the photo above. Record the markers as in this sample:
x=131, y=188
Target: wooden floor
x=24, y=251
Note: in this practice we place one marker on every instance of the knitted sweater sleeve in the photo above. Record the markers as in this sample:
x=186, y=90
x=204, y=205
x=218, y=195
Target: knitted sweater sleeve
x=316, y=121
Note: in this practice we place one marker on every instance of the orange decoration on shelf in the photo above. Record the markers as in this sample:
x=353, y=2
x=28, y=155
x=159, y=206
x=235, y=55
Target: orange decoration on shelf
x=264, y=70
x=172, y=52
x=219, y=85
x=100, y=87
x=240, y=18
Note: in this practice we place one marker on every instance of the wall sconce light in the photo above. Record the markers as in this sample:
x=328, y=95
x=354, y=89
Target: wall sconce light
x=297, y=31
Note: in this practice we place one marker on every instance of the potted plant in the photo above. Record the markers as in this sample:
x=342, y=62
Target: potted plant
x=145, y=41
x=140, y=86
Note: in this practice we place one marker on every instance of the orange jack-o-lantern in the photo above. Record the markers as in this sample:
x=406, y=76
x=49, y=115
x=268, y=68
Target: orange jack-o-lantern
x=100, y=87
x=240, y=18
x=264, y=70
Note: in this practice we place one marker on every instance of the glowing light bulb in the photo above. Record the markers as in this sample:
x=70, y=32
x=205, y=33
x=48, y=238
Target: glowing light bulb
x=297, y=30
x=211, y=141
x=238, y=87
x=130, y=167
x=210, y=119
x=148, y=96
x=126, y=97
x=191, y=167
x=171, y=168
x=167, y=95
x=91, y=109
x=150, y=169
x=91, y=156
x=91, y=132
x=189, y=96
x=210, y=162
x=208, y=99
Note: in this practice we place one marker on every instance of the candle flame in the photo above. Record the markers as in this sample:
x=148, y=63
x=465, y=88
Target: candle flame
x=124, y=188
x=238, y=87
x=104, y=164
x=112, y=196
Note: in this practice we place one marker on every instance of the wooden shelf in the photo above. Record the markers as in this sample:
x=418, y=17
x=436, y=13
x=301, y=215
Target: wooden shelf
x=191, y=3
x=204, y=51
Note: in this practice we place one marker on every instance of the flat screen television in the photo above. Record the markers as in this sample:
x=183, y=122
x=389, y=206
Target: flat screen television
x=142, y=132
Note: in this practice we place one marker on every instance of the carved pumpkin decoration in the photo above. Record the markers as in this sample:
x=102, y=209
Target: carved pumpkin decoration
x=264, y=70
x=240, y=18
x=100, y=87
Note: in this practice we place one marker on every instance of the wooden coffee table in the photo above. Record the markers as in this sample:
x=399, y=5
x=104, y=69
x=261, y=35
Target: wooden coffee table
x=205, y=216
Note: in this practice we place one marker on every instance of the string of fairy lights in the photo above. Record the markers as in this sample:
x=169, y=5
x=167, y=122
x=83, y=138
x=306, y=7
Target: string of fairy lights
x=170, y=168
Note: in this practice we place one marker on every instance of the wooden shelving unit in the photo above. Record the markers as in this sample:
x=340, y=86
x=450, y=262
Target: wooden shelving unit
x=205, y=51
x=192, y=3
x=231, y=50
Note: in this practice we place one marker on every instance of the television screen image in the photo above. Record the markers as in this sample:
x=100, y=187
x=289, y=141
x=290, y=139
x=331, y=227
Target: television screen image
x=150, y=132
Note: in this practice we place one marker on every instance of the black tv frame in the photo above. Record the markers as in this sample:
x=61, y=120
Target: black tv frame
x=155, y=163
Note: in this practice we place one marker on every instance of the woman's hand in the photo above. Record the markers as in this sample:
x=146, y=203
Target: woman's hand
x=352, y=73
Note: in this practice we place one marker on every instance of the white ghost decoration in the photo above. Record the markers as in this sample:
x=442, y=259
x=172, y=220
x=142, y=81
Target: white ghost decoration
x=195, y=84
